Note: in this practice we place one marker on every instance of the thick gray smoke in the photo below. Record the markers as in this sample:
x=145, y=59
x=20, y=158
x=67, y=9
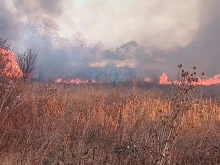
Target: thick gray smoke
x=60, y=57
x=204, y=50
x=13, y=11
x=34, y=25
x=33, y=7
x=8, y=22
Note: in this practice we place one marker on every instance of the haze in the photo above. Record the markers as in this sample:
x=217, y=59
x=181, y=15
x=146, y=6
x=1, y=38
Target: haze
x=167, y=32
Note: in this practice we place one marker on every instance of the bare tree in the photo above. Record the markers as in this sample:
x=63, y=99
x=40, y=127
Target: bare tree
x=4, y=43
x=3, y=46
x=96, y=48
x=27, y=62
x=79, y=40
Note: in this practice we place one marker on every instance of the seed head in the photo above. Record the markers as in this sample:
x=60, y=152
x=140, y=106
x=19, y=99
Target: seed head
x=188, y=79
x=180, y=66
x=194, y=67
x=203, y=73
x=184, y=74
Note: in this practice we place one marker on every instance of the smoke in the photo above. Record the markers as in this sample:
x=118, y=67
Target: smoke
x=204, y=50
x=60, y=57
x=139, y=37
x=12, y=12
x=8, y=22
x=33, y=7
x=152, y=23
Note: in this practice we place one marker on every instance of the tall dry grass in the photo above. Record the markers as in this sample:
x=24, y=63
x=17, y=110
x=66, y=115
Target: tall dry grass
x=50, y=124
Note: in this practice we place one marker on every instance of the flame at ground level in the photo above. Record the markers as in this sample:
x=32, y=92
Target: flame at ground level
x=163, y=79
x=11, y=69
x=9, y=63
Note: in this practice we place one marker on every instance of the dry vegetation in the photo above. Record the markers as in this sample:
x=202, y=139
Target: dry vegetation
x=66, y=124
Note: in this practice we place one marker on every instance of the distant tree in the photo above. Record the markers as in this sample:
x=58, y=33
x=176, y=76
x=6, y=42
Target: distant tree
x=79, y=40
x=27, y=62
x=3, y=45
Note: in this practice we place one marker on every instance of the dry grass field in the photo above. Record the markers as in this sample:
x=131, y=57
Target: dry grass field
x=67, y=124
x=106, y=82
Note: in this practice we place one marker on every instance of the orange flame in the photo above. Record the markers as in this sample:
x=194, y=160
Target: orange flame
x=8, y=60
x=163, y=79
x=211, y=81
x=148, y=79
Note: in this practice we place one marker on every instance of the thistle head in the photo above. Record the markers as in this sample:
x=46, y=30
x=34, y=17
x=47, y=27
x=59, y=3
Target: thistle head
x=180, y=66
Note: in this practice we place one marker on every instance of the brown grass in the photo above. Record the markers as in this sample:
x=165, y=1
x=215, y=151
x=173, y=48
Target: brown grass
x=50, y=124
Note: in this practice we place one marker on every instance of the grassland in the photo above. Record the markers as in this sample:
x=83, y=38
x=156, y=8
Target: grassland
x=66, y=124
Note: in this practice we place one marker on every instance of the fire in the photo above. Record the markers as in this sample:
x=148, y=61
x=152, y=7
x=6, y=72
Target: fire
x=211, y=81
x=163, y=79
x=8, y=60
x=75, y=81
x=148, y=79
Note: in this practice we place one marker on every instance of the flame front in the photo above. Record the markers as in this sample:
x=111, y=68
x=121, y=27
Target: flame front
x=8, y=60
x=163, y=79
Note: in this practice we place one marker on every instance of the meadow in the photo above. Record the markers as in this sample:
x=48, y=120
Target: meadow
x=132, y=123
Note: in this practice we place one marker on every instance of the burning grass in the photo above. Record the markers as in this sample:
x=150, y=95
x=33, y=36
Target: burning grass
x=9, y=66
x=98, y=124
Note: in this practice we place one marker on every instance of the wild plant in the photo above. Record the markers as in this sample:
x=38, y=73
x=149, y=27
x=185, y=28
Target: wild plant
x=184, y=96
